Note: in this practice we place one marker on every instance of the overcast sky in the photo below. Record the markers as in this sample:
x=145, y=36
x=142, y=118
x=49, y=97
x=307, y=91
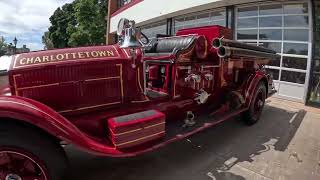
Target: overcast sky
x=27, y=20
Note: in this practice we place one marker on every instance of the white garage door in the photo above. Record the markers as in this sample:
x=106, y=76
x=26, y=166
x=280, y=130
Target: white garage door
x=286, y=28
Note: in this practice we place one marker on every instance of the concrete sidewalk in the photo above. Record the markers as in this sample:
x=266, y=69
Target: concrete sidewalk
x=284, y=144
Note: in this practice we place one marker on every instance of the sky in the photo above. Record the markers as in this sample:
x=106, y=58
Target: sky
x=27, y=20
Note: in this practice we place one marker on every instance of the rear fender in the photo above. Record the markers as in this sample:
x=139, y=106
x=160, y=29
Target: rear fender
x=252, y=84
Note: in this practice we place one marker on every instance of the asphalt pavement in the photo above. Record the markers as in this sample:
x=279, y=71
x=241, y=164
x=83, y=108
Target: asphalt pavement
x=283, y=145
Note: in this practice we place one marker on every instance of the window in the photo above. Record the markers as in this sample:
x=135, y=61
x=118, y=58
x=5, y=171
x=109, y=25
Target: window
x=153, y=29
x=211, y=17
x=283, y=27
x=123, y=2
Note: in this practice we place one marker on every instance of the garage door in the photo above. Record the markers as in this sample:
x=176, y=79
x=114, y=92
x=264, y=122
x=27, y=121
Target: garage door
x=285, y=28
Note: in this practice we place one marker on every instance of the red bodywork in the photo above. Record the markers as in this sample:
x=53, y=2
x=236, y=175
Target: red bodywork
x=71, y=93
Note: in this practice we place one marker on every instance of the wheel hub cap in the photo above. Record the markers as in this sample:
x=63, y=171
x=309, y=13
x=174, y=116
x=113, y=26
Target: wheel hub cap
x=13, y=177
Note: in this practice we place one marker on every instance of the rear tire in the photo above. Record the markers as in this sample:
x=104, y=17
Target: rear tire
x=42, y=157
x=252, y=115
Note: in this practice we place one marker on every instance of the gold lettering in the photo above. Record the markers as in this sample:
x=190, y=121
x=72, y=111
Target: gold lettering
x=45, y=59
x=87, y=53
x=110, y=53
x=52, y=58
x=102, y=53
x=37, y=60
x=67, y=55
x=74, y=55
x=80, y=54
x=94, y=54
x=30, y=60
x=60, y=57
x=22, y=61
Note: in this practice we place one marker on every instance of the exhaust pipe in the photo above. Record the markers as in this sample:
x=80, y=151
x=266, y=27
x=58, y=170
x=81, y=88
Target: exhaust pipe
x=216, y=43
x=225, y=52
x=219, y=42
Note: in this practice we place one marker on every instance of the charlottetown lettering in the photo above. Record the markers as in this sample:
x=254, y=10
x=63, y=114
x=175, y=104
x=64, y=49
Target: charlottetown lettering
x=64, y=56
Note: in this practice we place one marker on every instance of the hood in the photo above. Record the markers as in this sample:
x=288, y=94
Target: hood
x=65, y=56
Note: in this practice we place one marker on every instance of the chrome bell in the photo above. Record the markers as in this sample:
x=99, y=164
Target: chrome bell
x=130, y=38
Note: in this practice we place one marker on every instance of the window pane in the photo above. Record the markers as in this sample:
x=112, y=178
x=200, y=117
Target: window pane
x=271, y=9
x=294, y=62
x=248, y=11
x=190, y=20
x=248, y=34
x=203, y=19
x=294, y=48
x=154, y=29
x=291, y=76
x=248, y=23
x=276, y=46
x=274, y=73
x=296, y=8
x=274, y=21
x=221, y=23
x=296, y=21
x=218, y=15
x=296, y=34
x=178, y=22
x=270, y=34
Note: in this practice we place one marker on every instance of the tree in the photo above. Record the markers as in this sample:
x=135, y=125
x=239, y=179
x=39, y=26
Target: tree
x=91, y=29
x=80, y=23
x=3, y=46
x=61, y=19
x=47, y=41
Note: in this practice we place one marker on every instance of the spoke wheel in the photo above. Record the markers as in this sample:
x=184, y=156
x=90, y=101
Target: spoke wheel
x=258, y=104
x=27, y=153
x=18, y=165
x=252, y=115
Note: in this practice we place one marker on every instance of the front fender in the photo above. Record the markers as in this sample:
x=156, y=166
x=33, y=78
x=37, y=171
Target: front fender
x=40, y=115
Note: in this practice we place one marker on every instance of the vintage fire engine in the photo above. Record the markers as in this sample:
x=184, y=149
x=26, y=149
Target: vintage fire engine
x=125, y=99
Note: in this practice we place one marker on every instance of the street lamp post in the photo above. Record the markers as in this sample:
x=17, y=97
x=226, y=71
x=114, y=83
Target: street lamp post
x=15, y=41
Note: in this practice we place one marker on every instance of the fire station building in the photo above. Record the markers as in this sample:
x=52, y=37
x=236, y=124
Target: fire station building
x=292, y=28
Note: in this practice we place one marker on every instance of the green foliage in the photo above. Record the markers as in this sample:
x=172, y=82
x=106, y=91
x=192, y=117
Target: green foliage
x=47, y=41
x=80, y=23
x=3, y=46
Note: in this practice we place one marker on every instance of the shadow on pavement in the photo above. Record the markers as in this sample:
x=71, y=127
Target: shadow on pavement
x=207, y=155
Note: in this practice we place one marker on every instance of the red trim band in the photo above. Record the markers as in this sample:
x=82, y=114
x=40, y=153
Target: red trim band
x=127, y=6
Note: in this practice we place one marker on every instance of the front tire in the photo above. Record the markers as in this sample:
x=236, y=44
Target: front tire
x=27, y=153
x=252, y=115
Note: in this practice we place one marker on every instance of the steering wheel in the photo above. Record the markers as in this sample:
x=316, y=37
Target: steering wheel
x=143, y=39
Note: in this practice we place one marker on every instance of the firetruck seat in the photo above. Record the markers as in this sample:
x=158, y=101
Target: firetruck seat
x=170, y=45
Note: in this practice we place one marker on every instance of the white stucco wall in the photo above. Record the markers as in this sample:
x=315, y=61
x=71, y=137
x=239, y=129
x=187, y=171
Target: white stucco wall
x=149, y=11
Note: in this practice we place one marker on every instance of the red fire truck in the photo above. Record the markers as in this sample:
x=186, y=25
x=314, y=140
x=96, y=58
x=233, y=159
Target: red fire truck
x=125, y=99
